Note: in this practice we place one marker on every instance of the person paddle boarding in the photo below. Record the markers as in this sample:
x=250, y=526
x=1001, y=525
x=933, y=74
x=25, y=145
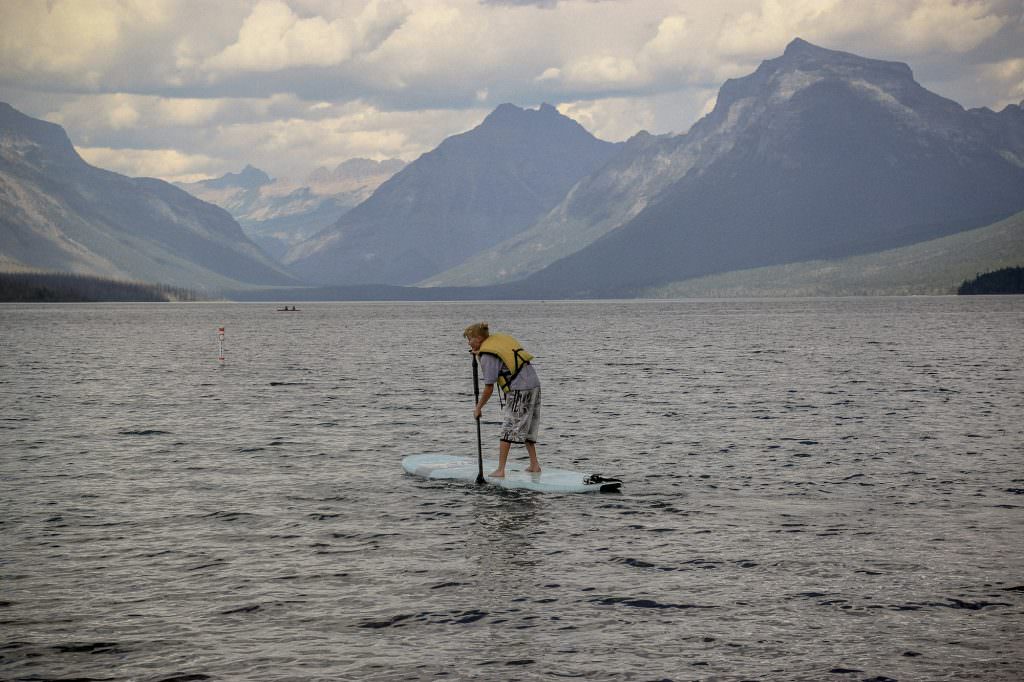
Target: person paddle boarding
x=505, y=362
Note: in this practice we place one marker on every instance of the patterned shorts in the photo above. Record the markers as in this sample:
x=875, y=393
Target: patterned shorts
x=521, y=416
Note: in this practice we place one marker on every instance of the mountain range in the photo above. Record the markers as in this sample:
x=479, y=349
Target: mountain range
x=279, y=213
x=816, y=157
x=818, y=154
x=58, y=213
x=471, y=192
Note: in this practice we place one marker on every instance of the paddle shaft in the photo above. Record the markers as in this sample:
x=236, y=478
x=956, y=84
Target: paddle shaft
x=479, y=440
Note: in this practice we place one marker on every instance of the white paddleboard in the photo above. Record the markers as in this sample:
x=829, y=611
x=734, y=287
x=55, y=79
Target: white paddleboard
x=549, y=480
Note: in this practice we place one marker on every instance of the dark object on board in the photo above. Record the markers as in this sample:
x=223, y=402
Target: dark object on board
x=608, y=485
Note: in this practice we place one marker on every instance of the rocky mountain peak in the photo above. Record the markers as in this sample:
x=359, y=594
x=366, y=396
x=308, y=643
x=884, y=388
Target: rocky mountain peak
x=802, y=55
x=471, y=192
x=249, y=178
x=803, y=65
x=781, y=82
x=816, y=154
x=503, y=113
x=355, y=169
x=507, y=117
x=44, y=139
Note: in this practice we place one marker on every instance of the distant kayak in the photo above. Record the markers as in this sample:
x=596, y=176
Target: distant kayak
x=286, y=309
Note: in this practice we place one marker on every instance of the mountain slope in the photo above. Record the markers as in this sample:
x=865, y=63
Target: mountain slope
x=278, y=214
x=473, y=191
x=598, y=203
x=936, y=266
x=58, y=213
x=818, y=154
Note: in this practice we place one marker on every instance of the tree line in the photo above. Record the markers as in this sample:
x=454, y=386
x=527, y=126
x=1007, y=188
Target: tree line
x=63, y=287
x=1004, y=281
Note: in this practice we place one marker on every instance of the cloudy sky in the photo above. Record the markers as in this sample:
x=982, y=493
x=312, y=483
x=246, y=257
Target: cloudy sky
x=186, y=89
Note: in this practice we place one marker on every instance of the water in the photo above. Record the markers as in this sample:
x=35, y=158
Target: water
x=814, y=490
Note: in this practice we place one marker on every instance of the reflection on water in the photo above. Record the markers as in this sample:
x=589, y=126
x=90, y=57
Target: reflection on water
x=506, y=522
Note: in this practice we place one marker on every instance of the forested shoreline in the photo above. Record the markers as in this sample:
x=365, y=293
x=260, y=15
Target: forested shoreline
x=49, y=287
x=1004, y=281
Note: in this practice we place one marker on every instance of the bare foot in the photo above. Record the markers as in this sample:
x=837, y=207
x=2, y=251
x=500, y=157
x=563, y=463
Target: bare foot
x=532, y=470
x=500, y=473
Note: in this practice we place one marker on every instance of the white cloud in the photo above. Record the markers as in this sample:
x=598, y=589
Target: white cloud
x=378, y=20
x=63, y=36
x=1011, y=72
x=613, y=119
x=288, y=145
x=670, y=40
x=770, y=24
x=618, y=118
x=670, y=50
x=550, y=74
x=902, y=26
x=943, y=25
x=282, y=134
x=186, y=111
x=168, y=164
x=605, y=71
x=437, y=42
x=1006, y=77
x=293, y=84
x=91, y=114
x=274, y=38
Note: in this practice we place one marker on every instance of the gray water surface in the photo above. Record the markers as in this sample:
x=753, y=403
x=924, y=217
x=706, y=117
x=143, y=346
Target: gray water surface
x=814, y=490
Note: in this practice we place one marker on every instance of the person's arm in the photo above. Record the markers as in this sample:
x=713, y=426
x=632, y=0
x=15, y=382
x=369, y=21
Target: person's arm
x=484, y=397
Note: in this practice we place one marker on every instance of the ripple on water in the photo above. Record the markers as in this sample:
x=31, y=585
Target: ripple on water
x=813, y=490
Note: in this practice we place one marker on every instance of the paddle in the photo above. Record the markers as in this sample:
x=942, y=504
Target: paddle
x=479, y=442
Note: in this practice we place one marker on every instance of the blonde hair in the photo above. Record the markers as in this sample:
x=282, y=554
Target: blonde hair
x=479, y=329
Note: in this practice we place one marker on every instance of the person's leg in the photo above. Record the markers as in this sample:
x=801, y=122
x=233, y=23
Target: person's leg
x=502, y=459
x=531, y=448
x=532, y=431
x=511, y=415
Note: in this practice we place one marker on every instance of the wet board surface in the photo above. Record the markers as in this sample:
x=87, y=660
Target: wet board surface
x=549, y=480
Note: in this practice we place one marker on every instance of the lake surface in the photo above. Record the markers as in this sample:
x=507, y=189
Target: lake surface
x=815, y=489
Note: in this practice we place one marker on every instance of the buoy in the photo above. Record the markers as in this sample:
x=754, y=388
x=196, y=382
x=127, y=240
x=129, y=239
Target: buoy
x=220, y=342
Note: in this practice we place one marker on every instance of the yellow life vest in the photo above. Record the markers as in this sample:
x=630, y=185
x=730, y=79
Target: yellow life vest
x=510, y=352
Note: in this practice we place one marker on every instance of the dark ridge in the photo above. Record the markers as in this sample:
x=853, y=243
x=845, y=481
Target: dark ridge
x=1004, y=281
x=55, y=287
